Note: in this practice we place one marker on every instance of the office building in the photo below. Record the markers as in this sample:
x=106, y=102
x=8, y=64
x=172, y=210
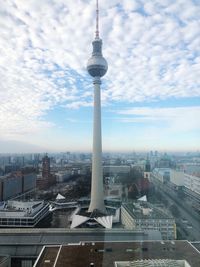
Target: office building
x=22, y=213
x=145, y=216
x=192, y=185
x=161, y=174
x=17, y=183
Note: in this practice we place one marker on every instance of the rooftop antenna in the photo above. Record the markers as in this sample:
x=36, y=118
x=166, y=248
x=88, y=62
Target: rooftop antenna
x=97, y=19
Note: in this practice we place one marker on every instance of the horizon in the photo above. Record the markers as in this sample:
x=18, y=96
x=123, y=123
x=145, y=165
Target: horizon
x=150, y=95
x=139, y=151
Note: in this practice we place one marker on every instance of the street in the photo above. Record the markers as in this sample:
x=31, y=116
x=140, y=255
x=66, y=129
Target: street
x=188, y=220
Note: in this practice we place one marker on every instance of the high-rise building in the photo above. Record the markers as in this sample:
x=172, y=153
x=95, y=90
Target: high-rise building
x=16, y=183
x=46, y=167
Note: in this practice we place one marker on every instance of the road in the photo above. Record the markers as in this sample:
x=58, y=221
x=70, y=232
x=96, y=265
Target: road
x=192, y=227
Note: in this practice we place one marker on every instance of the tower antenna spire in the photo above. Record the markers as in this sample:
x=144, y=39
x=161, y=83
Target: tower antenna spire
x=97, y=19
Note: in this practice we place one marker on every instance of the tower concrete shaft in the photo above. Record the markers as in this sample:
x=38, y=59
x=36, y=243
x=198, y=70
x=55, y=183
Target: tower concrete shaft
x=97, y=192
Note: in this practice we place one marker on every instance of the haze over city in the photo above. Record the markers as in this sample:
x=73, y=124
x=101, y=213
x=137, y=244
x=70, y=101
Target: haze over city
x=150, y=95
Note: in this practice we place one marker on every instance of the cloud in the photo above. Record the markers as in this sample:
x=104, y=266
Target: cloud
x=152, y=51
x=178, y=119
x=78, y=104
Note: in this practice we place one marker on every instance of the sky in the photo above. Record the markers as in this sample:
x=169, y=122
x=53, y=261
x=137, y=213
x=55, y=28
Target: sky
x=150, y=94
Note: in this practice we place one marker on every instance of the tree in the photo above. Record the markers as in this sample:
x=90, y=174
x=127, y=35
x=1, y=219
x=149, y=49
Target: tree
x=133, y=192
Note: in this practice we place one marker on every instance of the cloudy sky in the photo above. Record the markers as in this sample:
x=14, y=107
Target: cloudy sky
x=150, y=94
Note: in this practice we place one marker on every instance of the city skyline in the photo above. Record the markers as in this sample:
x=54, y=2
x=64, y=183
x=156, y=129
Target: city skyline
x=150, y=96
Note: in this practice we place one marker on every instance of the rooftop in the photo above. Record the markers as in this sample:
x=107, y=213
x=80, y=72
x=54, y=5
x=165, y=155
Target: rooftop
x=20, y=208
x=153, y=263
x=17, y=174
x=100, y=254
x=96, y=213
x=146, y=211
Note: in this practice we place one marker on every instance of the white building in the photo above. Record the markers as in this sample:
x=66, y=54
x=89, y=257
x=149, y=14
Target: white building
x=161, y=174
x=148, y=217
x=22, y=213
x=192, y=183
x=177, y=177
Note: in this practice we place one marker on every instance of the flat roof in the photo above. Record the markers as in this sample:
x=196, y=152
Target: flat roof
x=107, y=253
x=152, y=263
x=156, y=213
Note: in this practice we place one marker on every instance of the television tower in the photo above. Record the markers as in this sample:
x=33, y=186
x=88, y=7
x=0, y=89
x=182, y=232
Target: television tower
x=97, y=68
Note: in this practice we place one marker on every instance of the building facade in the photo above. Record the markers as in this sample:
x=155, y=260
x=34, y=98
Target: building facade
x=161, y=174
x=45, y=167
x=192, y=183
x=147, y=217
x=22, y=214
x=15, y=184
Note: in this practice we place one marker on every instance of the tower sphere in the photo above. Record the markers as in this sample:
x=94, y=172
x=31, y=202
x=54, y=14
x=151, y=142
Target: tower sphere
x=97, y=65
